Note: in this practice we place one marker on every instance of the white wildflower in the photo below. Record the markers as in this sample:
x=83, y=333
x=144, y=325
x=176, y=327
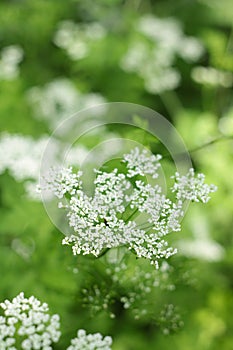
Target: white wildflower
x=153, y=56
x=10, y=58
x=59, y=99
x=29, y=321
x=76, y=155
x=21, y=155
x=203, y=249
x=201, y=245
x=192, y=188
x=160, y=80
x=76, y=39
x=124, y=210
x=159, y=28
x=90, y=341
x=191, y=49
x=212, y=76
x=139, y=163
x=62, y=181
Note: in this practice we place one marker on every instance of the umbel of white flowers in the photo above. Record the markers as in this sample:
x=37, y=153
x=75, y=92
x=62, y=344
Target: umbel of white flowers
x=125, y=210
x=27, y=324
x=27, y=321
x=90, y=341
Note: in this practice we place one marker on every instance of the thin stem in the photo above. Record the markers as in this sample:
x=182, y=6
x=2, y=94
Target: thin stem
x=207, y=144
x=103, y=253
x=171, y=102
x=229, y=45
x=144, y=228
x=148, y=231
x=134, y=212
x=218, y=139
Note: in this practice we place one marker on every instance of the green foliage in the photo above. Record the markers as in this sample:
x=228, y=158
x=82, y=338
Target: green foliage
x=113, y=294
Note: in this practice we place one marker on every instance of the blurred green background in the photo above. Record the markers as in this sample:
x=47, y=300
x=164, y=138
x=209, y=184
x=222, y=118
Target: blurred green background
x=57, y=57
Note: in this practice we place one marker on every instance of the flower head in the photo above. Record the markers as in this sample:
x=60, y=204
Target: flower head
x=28, y=321
x=152, y=53
x=192, y=187
x=10, y=58
x=85, y=341
x=124, y=209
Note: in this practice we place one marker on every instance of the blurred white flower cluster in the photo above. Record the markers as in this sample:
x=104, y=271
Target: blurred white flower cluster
x=28, y=324
x=77, y=39
x=10, y=58
x=212, y=77
x=201, y=245
x=153, y=53
x=125, y=210
x=85, y=341
x=170, y=319
x=21, y=155
x=59, y=100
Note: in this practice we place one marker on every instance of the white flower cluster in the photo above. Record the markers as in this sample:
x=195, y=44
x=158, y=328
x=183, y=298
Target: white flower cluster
x=59, y=99
x=10, y=58
x=21, y=155
x=85, y=341
x=125, y=210
x=28, y=324
x=63, y=181
x=141, y=164
x=77, y=39
x=170, y=319
x=153, y=60
x=192, y=188
x=212, y=77
x=201, y=245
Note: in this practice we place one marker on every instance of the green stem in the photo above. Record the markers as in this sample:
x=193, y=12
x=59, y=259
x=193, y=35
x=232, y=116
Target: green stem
x=218, y=139
x=103, y=253
x=171, y=102
x=145, y=228
x=131, y=215
x=207, y=144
